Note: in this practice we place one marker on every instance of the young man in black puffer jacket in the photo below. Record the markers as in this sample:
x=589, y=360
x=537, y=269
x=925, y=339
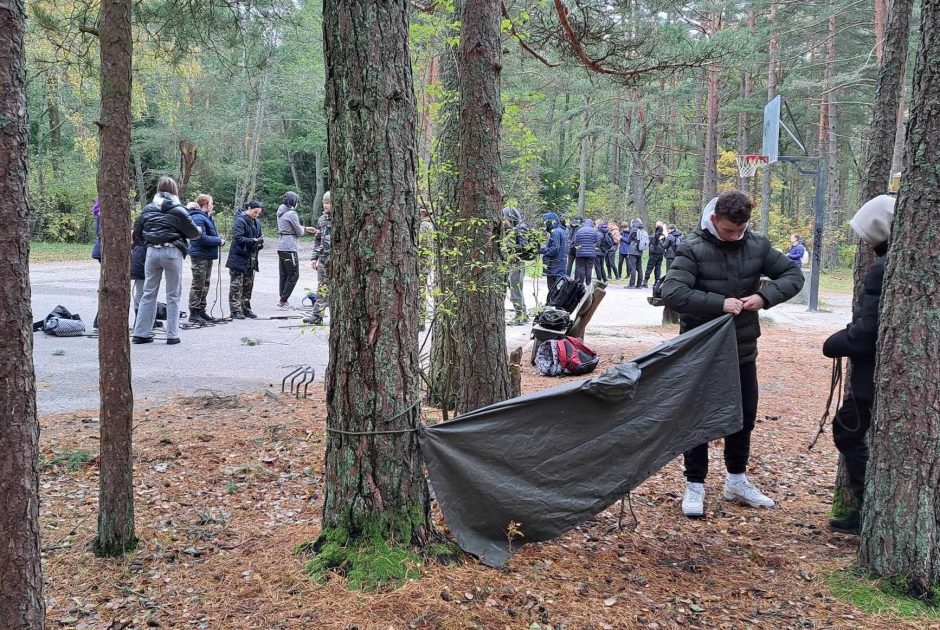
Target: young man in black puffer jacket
x=717, y=271
x=858, y=342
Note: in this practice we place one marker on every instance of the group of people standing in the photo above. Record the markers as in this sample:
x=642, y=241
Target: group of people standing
x=584, y=248
x=166, y=232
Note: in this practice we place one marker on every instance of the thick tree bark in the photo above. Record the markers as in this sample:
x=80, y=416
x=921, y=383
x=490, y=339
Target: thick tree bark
x=443, y=382
x=901, y=521
x=766, y=173
x=636, y=145
x=116, y=481
x=21, y=603
x=375, y=487
x=483, y=370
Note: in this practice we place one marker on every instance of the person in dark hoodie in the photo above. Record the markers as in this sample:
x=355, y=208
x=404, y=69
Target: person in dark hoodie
x=872, y=223
x=586, y=240
x=165, y=226
x=635, y=247
x=242, y=261
x=203, y=252
x=654, y=264
x=573, y=226
x=674, y=238
x=555, y=251
x=289, y=229
x=604, y=247
x=718, y=271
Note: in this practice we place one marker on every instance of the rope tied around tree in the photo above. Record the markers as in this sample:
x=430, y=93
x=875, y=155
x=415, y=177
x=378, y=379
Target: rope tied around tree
x=405, y=411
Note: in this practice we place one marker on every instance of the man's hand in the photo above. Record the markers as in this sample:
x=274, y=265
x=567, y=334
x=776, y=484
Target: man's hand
x=752, y=303
x=733, y=306
x=311, y=230
x=222, y=244
x=313, y=264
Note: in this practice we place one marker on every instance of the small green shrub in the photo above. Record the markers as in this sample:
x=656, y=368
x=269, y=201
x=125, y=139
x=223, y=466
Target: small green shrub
x=71, y=459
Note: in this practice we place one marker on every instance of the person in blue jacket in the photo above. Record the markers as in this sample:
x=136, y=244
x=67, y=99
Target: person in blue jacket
x=555, y=251
x=203, y=251
x=797, y=250
x=586, y=240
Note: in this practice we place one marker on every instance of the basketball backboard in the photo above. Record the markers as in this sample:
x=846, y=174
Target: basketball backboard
x=771, y=146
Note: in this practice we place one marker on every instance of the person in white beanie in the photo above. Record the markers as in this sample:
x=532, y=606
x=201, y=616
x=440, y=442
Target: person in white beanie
x=858, y=342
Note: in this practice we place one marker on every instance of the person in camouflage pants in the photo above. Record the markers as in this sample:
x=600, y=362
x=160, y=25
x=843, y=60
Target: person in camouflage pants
x=242, y=262
x=203, y=251
x=320, y=261
x=239, y=294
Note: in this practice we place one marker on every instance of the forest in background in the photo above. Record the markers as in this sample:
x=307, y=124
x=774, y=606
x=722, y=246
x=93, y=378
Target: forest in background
x=642, y=118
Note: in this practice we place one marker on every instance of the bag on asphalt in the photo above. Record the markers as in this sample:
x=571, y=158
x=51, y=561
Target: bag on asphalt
x=60, y=322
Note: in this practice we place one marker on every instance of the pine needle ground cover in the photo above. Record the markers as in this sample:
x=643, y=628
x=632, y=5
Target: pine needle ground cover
x=227, y=488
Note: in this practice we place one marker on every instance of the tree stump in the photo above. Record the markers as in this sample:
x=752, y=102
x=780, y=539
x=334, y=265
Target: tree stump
x=515, y=372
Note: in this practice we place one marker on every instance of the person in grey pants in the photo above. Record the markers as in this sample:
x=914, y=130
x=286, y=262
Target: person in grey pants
x=165, y=226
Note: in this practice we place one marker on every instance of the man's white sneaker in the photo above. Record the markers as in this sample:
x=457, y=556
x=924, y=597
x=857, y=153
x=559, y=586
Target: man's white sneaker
x=745, y=492
x=693, y=503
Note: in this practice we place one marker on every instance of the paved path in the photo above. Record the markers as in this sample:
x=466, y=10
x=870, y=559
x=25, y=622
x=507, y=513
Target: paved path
x=219, y=359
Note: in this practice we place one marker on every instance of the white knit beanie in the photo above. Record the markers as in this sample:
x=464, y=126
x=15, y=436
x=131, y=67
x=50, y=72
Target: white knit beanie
x=326, y=197
x=873, y=220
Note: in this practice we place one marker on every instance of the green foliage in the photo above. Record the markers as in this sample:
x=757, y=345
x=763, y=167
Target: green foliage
x=41, y=252
x=61, y=200
x=372, y=566
x=880, y=597
x=71, y=459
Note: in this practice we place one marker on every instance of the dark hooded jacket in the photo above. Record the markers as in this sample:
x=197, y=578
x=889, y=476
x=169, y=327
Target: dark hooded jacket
x=138, y=259
x=555, y=251
x=671, y=244
x=858, y=341
x=207, y=245
x=242, y=254
x=657, y=243
x=165, y=221
x=707, y=270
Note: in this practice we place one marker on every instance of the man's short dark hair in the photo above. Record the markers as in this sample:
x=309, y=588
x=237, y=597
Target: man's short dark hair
x=734, y=206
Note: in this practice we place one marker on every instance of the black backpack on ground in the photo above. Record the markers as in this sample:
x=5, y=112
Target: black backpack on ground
x=566, y=295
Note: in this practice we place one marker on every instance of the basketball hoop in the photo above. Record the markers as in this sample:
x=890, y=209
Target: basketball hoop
x=748, y=164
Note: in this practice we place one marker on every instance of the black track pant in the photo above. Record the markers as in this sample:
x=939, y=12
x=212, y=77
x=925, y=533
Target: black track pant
x=737, y=445
x=582, y=270
x=848, y=432
x=599, y=267
x=653, y=264
x=289, y=271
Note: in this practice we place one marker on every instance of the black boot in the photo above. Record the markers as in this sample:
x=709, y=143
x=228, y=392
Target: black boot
x=851, y=524
x=195, y=317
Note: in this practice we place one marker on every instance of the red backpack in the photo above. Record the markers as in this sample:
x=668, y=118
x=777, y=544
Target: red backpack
x=575, y=357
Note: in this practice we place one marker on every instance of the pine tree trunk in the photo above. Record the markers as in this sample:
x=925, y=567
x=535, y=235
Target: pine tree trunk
x=766, y=174
x=744, y=122
x=830, y=257
x=481, y=328
x=710, y=171
x=617, y=141
x=443, y=383
x=901, y=522
x=583, y=152
x=189, y=153
x=321, y=189
x=375, y=487
x=116, y=480
x=21, y=604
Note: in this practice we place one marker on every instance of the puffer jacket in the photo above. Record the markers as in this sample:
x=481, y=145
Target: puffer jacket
x=858, y=341
x=657, y=244
x=672, y=243
x=606, y=243
x=796, y=253
x=555, y=251
x=586, y=240
x=633, y=239
x=707, y=270
x=207, y=245
x=138, y=259
x=166, y=221
x=242, y=254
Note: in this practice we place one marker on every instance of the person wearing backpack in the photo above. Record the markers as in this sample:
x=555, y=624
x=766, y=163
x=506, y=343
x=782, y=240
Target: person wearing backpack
x=555, y=251
x=674, y=238
x=612, y=254
x=718, y=271
x=605, y=247
x=797, y=250
x=573, y=226
x=585, y=244
x=657, y=250
x=637, y=243
x=515, y=245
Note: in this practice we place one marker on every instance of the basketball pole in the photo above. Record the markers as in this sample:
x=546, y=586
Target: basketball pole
x=819, y=220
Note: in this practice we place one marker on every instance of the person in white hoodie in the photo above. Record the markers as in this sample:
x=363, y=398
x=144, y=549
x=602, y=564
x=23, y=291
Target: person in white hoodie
x=717, y=271
x=289, y=229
